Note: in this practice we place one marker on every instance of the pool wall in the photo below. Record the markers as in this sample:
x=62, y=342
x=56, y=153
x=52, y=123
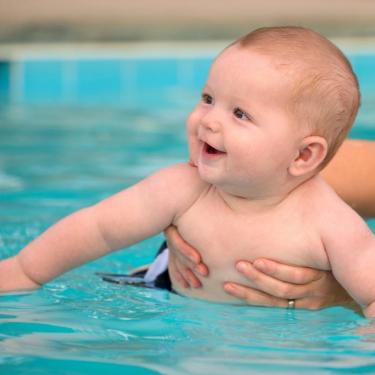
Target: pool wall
x=103, y=76
x=158, y=74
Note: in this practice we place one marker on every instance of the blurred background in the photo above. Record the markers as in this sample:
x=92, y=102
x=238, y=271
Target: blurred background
x=94, y=96
x=125, y=20
x=116, y=51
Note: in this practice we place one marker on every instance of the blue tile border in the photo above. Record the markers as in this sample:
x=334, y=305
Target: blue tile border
x=125, y=81
x=101, y=81
x=364, y=66
x=42, y=81
x=4, y=82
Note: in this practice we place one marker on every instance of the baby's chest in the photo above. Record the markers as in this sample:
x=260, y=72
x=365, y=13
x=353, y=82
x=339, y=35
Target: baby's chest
x=283, y=236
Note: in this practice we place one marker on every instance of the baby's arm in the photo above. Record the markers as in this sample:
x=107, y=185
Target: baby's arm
x=130, y=216
x=350, y=247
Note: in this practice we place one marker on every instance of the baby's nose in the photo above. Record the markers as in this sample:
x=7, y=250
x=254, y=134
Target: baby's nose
x=211, y=121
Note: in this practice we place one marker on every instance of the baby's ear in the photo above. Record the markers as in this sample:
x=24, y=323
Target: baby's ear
x=311, y=153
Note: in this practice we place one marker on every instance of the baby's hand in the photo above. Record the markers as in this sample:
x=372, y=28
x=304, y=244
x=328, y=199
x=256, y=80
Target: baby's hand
x=13, y=278
x=184, y=259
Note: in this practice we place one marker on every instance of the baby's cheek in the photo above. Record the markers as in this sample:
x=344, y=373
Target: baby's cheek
x=193, y=123
x=192, y=133
x=193, y=150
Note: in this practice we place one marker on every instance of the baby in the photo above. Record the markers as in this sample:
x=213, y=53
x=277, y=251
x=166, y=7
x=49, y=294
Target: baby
x=276, y=106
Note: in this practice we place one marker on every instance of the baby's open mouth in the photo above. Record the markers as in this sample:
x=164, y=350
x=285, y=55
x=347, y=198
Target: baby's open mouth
x=212, y=150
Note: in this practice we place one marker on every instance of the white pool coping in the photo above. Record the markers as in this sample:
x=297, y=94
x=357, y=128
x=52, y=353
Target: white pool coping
x=112, y=50
x=180, y=49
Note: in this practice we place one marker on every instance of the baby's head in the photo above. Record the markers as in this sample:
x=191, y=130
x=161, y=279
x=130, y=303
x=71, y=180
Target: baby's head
x=276, y=106
x=323, y=93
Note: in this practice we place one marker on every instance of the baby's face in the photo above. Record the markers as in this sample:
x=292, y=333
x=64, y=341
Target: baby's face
x=240, y=132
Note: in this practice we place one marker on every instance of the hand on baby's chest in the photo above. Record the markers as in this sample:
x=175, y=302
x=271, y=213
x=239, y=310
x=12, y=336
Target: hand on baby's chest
x=224, y=238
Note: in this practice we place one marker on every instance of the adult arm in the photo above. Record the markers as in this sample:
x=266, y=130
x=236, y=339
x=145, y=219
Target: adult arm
x=351, y=174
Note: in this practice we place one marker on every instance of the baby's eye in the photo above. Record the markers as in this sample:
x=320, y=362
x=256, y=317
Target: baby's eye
x=206, y=98
x=239, y=113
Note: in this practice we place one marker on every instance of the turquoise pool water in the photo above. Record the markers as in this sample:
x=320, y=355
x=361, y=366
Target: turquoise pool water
x=58, y=156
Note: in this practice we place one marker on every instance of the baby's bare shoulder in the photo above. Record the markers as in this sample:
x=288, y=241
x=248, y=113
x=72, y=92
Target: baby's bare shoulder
x=182, y=183
x=182, y=176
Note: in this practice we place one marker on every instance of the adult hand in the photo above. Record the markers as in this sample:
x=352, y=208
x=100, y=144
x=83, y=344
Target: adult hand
x=275, y=284
x=270, y=283
x=184, y=259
